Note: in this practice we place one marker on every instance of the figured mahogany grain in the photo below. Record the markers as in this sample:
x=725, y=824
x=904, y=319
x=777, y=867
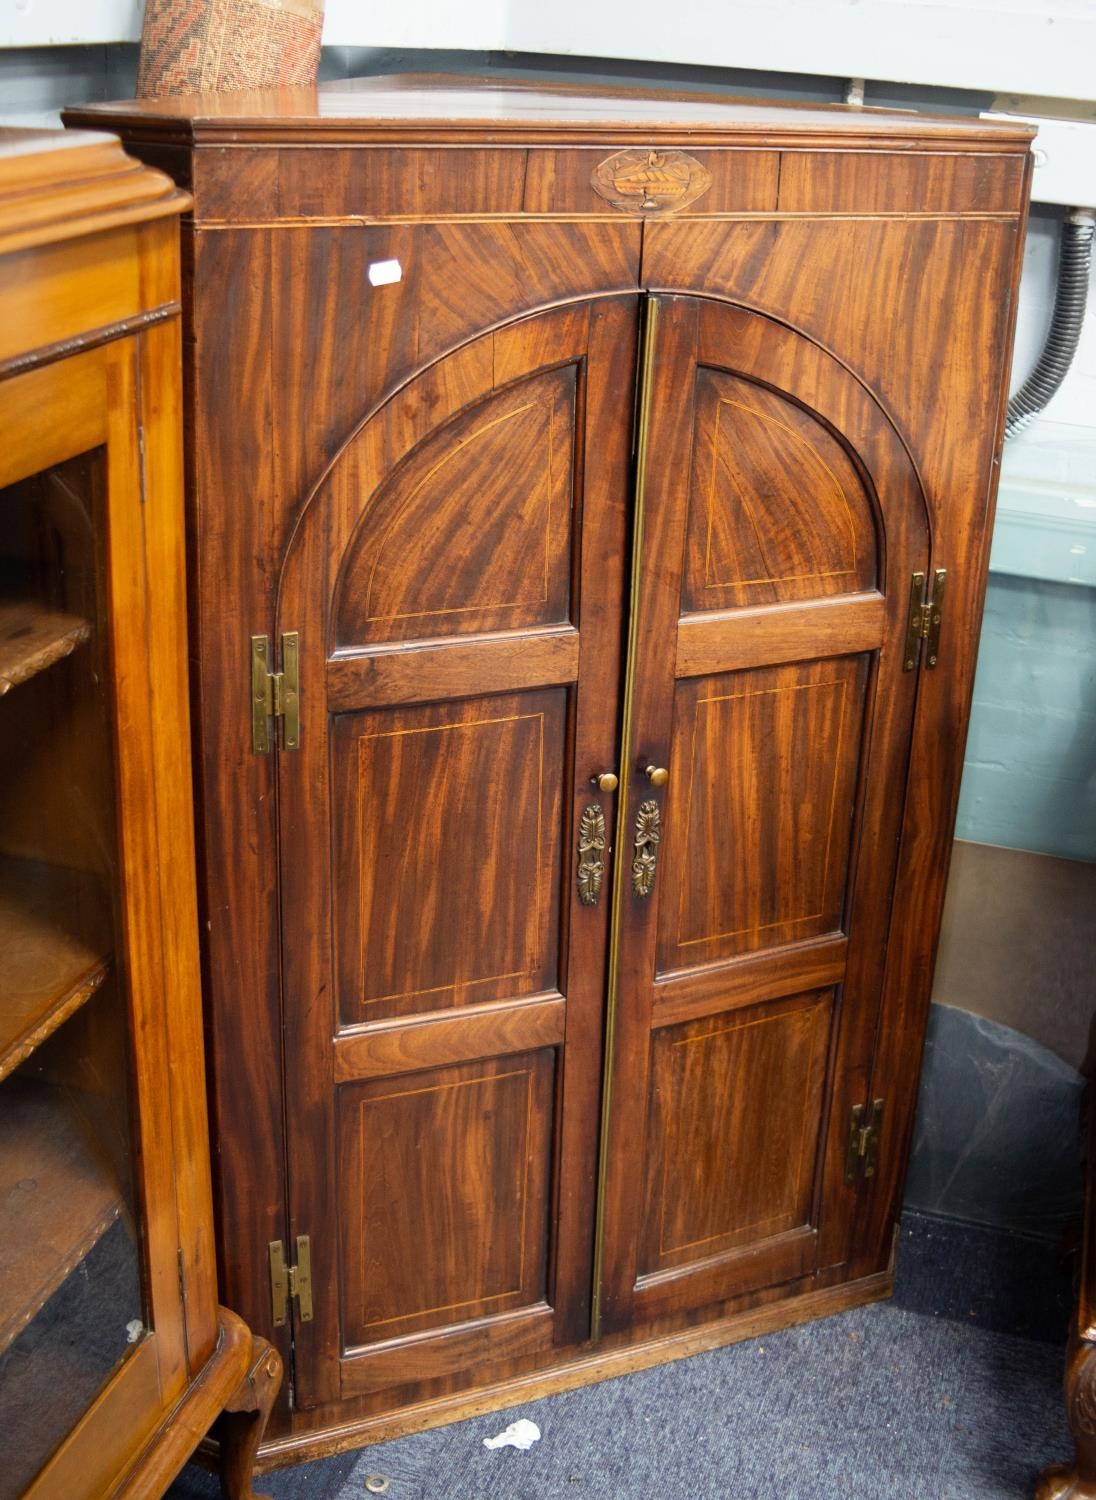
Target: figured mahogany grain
x=786, y=737
x=229, y=597
x=750, y=1165
x=704, y=989
x=422, y=925
x=420, y=1237
x=776, y=509
x=457, y=280
x=378, y=1049
x=889, y=182
x=777, y=633
x=397, y=577
x=418, y=673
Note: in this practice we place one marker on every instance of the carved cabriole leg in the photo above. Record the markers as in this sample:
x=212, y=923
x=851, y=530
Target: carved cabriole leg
x=240, y=1426
x=1077, y=1482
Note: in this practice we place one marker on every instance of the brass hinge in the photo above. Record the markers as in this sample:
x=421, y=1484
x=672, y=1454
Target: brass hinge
x=925, y=615
x=275, y=695
x=863, y=1153
x=290, y=1281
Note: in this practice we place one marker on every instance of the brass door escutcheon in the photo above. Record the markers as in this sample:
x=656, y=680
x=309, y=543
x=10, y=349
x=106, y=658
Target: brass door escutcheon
x=648, y=832
x=591, y=854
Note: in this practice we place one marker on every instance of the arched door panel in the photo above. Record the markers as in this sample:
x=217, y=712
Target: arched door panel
x=451, y=877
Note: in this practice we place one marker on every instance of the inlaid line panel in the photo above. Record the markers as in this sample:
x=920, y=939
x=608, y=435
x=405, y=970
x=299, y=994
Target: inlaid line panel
x=448, y=838
x=759, y=833
x=734, y=1128
x=777, y=510
x=472, y=531
x=444, y=1180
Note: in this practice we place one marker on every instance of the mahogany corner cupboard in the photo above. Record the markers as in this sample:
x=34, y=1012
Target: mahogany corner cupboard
x=589, y=500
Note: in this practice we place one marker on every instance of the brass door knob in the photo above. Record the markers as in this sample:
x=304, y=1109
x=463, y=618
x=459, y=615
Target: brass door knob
x=606, y=781
x=656, y=775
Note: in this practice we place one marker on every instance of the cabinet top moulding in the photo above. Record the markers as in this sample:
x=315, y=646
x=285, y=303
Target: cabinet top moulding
x=445, y=109
x=55, y=187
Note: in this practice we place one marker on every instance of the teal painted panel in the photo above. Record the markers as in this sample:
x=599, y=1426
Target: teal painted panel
x=1045, y=531
x=1029, y=780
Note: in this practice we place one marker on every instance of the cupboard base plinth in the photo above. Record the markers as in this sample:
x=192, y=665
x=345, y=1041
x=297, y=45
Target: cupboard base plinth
x=308, y=1439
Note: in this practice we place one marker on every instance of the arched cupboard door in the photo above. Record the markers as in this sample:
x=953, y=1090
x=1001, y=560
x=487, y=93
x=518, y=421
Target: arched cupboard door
x=779, y=520
x=456, y=584
x=479, y=999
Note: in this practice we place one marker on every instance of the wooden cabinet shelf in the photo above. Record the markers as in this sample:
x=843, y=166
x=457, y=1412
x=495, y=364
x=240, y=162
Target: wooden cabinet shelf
x=50, y=967
x=33, y=638
x=59, y=1198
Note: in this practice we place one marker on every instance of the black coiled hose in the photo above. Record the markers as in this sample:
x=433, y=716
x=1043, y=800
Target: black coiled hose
x=1074, y=263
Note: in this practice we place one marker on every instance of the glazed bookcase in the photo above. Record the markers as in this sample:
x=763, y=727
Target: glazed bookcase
x=114, y=1355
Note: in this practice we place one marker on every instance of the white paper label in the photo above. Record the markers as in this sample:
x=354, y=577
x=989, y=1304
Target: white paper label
x=385, y=272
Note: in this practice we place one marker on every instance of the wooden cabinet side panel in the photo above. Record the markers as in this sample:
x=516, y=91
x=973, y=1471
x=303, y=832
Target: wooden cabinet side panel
x=963, y=475
x=128, y=593
x=231, y=563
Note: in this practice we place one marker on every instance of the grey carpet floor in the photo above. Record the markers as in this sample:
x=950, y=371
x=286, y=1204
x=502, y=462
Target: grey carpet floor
x=952, y=1391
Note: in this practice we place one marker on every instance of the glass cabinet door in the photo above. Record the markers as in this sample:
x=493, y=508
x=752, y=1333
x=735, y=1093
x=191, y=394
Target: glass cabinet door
x=73, y=1304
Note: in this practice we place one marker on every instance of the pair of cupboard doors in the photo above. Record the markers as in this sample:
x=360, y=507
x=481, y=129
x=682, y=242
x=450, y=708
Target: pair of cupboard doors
x=520, y=610
x=582, y=496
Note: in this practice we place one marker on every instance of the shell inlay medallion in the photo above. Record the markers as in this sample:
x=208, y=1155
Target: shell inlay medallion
x=650, y=182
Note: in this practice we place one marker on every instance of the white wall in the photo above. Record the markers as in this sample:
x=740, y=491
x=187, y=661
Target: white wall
x=1000, y=45
x=1023, y=46
x=58, y=23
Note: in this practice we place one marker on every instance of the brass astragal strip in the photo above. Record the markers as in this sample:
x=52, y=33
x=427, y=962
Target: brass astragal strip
x=622, y=866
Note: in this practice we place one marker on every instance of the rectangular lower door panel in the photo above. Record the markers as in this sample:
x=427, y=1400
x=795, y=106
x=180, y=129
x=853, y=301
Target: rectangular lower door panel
x=734, y=1122
x=736, y=1118
x=445, y=1180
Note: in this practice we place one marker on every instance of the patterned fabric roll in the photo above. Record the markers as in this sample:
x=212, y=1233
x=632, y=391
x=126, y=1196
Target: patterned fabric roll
x=191, y=45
